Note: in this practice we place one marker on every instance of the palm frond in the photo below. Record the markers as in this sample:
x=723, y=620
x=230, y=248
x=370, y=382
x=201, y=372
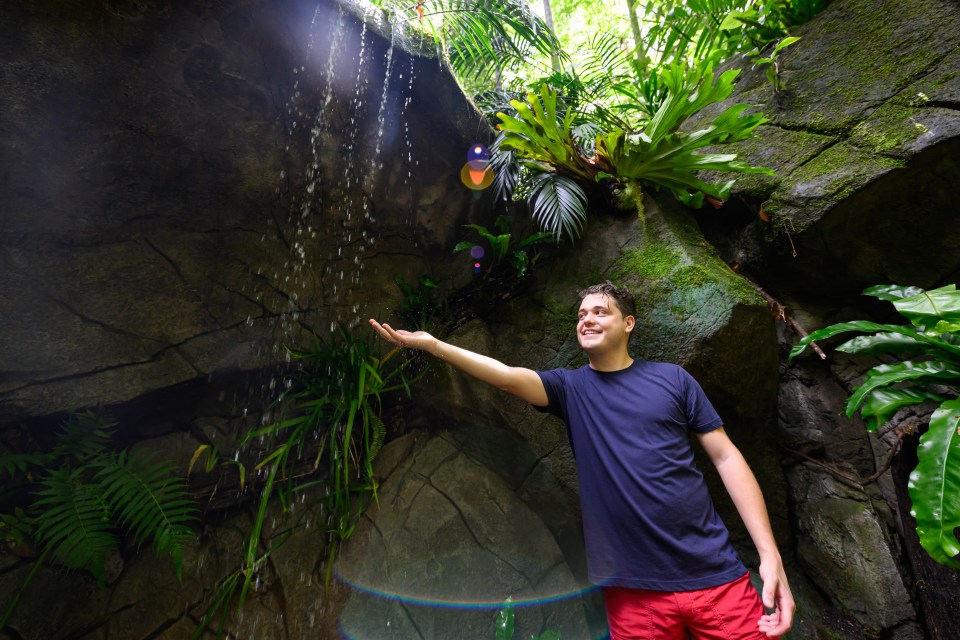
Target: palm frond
x=559, y=205
x=506, y=171
x=74, y=521
x=485, y=37
x=149, y=501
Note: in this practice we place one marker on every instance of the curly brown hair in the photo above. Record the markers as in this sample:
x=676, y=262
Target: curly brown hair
x=620, y=296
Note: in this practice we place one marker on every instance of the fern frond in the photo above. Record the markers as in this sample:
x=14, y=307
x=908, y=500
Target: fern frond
x=84, y=435
x=378, y=434
x=14, y=463
x=74, y=521
x=150, y=502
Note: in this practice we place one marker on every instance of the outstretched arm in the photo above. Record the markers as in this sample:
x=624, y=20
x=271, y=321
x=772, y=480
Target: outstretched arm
x=742, y=486
x=523, y=383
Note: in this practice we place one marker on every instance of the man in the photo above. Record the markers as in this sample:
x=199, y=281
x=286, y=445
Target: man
x=655, y=543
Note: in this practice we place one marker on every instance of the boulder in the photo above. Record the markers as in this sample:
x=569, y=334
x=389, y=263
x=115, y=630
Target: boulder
x=864, y=141
x=448, y=543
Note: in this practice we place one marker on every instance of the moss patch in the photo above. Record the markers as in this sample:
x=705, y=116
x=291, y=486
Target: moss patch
x=826, y=180
x=652, y=262
x=888, y=130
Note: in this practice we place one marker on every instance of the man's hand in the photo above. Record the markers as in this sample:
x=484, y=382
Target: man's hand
x=413, y=339
x=776, y=595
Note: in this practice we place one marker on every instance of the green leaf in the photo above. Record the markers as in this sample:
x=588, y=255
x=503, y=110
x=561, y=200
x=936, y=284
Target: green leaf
x=150, y=502
x=894, y=343
x=505, y=621
x=934, y=485
x=891, y=292
x=732, y=21
x=926, y=310
x=83, y=435
x=865, y=326
x=14, y=463
x=880, y=404
x=559, y=205
x=887, y=374
x=74, y=522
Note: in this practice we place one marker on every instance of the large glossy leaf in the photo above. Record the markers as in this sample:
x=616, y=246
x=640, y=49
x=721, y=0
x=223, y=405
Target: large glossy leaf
x=865, y=326
x=887, y=374
x=934, y=485
x=929, y=308
x=880, y=404
x=891, y=292
x=895, y=343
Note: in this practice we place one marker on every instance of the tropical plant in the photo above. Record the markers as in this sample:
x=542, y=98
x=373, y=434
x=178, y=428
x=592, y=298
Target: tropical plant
x=485, y=39
x=693, y=29
x=84, y=495
x=420, y=307
x=772, y=63
x=502, y=249
x=930, y=372
x=506, y=624
x=661, y=155
x=328, y=432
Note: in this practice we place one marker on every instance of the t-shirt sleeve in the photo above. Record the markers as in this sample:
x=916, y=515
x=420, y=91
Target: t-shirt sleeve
x=701, y=416
x=553, y=385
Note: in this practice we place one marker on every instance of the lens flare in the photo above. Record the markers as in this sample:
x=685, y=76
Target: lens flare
x=478, y=152
x=476, y=252
x=476, y=175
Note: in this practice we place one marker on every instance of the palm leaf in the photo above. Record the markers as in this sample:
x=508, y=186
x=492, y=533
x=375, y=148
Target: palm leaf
x=150, y=502
x=559, y=205
x=934, y=485
x=487, y=36
x=74, y=521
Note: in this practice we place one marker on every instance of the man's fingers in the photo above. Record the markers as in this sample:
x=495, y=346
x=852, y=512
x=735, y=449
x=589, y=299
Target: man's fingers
x=386, y=331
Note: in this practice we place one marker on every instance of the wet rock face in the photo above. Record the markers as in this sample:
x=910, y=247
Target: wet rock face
x=185, y=189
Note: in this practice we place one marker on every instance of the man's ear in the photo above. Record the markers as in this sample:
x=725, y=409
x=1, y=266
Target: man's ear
x=631, y=323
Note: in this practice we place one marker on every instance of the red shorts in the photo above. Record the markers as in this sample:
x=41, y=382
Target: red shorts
x=728, y=612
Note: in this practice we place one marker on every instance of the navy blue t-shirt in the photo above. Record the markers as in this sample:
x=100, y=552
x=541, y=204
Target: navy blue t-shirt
x=648, y=520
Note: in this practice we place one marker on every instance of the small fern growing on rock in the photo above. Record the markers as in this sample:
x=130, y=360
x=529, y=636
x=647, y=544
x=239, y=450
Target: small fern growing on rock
x=86, y=498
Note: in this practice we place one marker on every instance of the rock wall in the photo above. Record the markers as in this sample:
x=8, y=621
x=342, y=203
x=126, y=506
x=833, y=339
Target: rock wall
x=184, y=190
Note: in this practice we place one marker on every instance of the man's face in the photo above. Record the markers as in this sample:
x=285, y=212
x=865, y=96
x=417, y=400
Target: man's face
x=601, y=325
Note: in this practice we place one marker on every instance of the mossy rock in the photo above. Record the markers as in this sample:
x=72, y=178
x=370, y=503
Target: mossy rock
x=863, y=138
